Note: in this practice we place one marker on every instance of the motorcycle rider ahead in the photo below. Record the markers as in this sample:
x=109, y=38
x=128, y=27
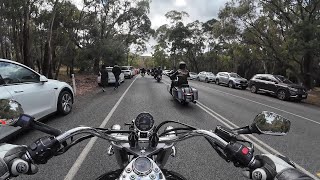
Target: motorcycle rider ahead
x=158, y=72
x=182, y=74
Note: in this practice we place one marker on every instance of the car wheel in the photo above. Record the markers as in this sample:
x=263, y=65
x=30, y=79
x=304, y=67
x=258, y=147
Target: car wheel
x=282, y=95
x=198, y=79
x=217, y=81
x=206, y=80
x=230, y=84
x=253, y=89
x=65, y=103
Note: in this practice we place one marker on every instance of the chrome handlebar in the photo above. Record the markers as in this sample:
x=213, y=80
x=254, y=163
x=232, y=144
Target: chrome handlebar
x=124, y=138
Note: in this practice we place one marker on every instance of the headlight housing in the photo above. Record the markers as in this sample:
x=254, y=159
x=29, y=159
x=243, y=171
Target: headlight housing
x=293, y=89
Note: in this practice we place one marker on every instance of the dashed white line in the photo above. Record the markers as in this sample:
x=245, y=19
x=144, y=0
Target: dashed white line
x=250, y=138
x=76, y=166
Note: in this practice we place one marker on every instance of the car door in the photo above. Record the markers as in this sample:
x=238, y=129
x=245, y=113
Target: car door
x=224, y=77
x=37, y=98
x=272, y=84
x=264, y=83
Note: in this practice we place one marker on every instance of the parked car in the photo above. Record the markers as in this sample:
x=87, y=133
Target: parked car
x=233, y=80
x=206, y=77
x=38, y=95
x=277, y=85
x=193, y=76
x=111, y=78
x=128, y=71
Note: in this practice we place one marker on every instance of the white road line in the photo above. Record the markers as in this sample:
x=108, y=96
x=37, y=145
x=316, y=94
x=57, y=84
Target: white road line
x=263, y=104
x=76, y=166
x=225, y=121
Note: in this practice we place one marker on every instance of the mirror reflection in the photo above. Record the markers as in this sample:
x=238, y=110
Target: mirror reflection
x=10, y=112
x=272, y=123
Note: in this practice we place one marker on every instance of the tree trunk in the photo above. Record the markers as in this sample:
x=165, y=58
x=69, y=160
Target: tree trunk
x=15, y=40
x=96, y=66
x=46, y=62
x=47, y=68
x=3, y=55
x=26, y=36
x=307, y=78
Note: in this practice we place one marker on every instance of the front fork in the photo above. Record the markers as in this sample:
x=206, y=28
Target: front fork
x=161, y=158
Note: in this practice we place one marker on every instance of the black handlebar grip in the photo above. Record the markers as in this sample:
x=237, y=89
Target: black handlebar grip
x=239, y=154
x=45, y=128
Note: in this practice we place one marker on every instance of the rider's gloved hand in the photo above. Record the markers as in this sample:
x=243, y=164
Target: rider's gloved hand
x=12, y=163
x=277, y=167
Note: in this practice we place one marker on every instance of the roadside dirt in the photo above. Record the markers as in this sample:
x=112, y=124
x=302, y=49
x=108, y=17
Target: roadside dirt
x=314, y=97
x=85, y=83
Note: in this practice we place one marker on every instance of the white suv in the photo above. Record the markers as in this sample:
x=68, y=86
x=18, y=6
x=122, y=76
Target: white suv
x=128, y=71
x=38, y=95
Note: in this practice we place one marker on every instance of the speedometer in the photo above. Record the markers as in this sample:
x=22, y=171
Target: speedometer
x=144, y=122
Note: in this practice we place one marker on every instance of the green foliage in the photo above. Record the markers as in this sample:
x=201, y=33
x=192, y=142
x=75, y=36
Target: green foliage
x=99, y=32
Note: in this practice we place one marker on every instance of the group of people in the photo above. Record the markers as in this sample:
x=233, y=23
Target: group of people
x=178, y=77
x=105, y=76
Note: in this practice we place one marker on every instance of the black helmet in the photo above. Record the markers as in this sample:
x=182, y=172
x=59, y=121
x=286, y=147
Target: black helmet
x=182, y=65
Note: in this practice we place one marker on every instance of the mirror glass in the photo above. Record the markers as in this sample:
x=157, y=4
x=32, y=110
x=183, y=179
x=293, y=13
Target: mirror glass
x=271, y=123
x=10, y=112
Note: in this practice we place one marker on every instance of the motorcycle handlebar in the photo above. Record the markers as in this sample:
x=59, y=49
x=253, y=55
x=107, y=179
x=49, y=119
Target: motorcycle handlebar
x=123, y=138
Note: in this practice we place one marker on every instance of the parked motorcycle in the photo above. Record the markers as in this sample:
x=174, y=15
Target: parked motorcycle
x=184, y=93
x=143, y=149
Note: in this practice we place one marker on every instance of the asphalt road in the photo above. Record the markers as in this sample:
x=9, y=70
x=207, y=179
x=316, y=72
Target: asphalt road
x=195, y=158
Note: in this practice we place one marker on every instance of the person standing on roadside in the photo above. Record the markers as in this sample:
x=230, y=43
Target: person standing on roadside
x=104, y=77
x=116, y=71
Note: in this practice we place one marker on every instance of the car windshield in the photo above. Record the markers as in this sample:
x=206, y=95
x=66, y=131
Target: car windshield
x=210, y=74
x=283, y=79
x=234, y=75
x=124, y=68
x=192, y=73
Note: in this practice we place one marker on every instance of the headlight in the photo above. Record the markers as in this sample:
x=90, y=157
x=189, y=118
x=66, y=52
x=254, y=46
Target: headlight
x=293, y=89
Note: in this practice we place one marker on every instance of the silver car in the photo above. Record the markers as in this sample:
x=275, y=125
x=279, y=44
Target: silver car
x=206, y=77
x=193, y=76
x=233, y=80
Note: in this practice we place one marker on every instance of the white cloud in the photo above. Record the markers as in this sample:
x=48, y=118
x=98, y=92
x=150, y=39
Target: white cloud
x=180, y=3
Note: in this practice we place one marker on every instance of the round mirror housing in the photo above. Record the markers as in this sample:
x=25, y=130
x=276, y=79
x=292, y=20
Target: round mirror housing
x=271, y=123
x=10, y=111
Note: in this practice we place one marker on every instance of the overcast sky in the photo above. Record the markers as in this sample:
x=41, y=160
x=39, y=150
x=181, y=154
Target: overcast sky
x=201, y=10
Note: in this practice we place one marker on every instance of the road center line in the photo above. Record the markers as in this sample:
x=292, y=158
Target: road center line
x=225, y=121
x=305, y=118
x=76, y=166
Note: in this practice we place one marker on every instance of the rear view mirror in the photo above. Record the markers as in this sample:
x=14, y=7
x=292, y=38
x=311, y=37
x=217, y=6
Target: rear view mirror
x=10, y=112
x=43, y=79
x=271, y=123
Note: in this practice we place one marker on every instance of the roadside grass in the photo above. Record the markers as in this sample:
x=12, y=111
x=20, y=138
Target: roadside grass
x=314, y=97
